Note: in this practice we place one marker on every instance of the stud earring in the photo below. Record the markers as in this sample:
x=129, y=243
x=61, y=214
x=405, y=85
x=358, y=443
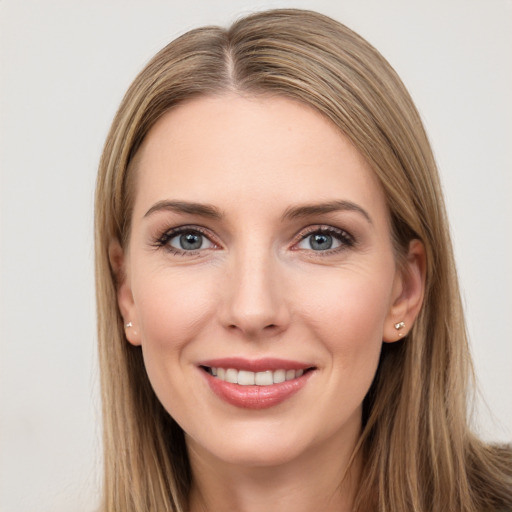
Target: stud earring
x=398, y=327
x=128, y=325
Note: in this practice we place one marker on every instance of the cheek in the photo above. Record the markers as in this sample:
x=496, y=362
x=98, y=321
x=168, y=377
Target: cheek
x=172, y=309
x=347, y=311
x=350, y=300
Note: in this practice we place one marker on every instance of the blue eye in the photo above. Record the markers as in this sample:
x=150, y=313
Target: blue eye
x=321, y=242
x=325, y=239
x=189, y=241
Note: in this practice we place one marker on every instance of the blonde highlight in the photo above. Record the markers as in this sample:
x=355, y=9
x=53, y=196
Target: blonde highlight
x=419, y=396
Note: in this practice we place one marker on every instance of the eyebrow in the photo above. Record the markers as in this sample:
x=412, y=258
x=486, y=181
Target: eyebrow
x=294, y=212
x=308, y=210
x=203, y=210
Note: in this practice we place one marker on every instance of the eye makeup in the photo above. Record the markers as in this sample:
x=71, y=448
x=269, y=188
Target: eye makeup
x=324, y=240
x=191, y=240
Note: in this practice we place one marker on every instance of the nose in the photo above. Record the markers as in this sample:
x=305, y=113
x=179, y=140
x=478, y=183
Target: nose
x=254, y=304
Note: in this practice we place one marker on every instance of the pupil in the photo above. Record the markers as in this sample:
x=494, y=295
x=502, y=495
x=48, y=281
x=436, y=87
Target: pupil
x=321, y=242
x=190, y=241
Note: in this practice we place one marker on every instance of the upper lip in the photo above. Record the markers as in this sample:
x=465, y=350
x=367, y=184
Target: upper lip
x=256, y=365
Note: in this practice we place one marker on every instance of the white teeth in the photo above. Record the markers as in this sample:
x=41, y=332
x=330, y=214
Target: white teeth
x=232, y=376
x=279, y=376
x=247, y=378
x=290, y=374
x=264, y=378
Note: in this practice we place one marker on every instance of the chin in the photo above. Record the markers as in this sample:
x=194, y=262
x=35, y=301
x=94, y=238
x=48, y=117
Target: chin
x=249, y=445
x=262, y=454
x=266, y=445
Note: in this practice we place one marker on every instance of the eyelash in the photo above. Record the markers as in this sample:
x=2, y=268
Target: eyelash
x=163, y=241
x=346, y=239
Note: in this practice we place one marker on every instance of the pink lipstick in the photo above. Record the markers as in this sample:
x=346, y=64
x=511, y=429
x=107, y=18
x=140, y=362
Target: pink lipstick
x=255, y=384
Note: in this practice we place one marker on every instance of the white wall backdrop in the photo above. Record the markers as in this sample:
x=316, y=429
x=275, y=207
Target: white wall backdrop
x=64, y=68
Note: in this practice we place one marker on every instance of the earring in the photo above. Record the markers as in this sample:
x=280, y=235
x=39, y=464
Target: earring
x=128, y=325
x=398, y=327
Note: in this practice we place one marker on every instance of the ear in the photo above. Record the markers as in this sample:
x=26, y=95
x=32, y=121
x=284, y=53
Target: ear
x=408, y=292
x=119, y=263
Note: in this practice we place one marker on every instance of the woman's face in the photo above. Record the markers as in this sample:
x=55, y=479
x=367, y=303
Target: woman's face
x=260, y=251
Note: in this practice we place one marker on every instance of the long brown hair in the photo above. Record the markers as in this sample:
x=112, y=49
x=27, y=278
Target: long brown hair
x=418, y=452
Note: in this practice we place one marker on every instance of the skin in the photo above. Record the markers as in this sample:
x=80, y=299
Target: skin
x=257, y=289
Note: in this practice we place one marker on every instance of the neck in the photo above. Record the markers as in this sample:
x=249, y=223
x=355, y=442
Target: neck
x=324, y=479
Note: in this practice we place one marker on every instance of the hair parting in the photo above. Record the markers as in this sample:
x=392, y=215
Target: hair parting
x=418, y=451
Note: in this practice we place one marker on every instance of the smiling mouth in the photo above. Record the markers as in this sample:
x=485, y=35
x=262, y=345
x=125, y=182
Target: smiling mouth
x=248, y=378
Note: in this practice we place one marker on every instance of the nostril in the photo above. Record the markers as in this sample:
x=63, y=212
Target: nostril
x=253, y=331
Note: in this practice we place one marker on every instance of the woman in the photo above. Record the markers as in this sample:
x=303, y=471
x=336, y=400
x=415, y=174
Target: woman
x=279, y=317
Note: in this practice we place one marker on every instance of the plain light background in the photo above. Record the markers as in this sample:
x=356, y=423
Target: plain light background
x=64, y=68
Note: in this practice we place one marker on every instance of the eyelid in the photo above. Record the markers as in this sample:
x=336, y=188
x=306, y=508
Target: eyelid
x=346, y=238
x=162, y=241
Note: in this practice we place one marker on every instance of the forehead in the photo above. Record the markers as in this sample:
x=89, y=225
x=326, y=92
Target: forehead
x=223, y=148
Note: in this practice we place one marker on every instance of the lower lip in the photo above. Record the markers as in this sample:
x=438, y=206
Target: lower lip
x=256, y=397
